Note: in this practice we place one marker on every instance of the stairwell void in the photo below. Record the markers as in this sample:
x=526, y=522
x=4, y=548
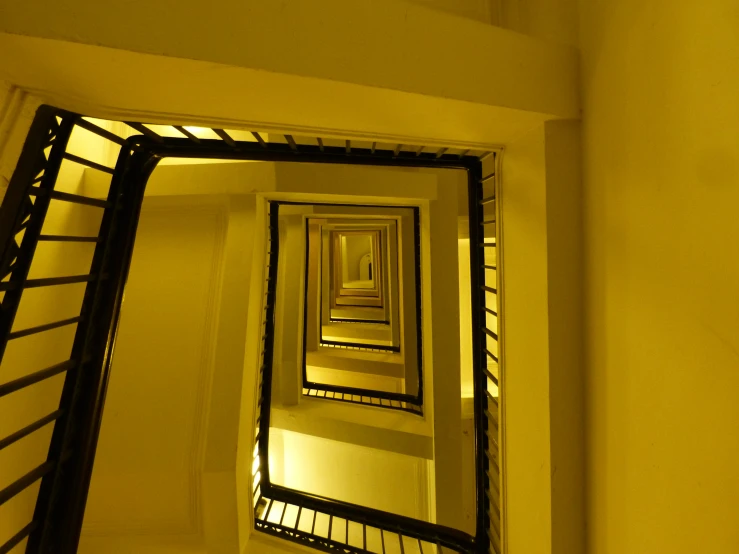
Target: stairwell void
x=360, y=269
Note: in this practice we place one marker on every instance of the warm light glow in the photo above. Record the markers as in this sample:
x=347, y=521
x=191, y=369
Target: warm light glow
x=353, y=473
x=465, y=318
x=202, y=132
x=273, y=462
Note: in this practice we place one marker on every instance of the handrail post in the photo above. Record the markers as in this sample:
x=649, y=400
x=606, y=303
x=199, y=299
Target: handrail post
x=477, y=276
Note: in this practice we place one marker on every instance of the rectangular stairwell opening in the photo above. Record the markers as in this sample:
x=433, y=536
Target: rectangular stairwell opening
x=69, y=220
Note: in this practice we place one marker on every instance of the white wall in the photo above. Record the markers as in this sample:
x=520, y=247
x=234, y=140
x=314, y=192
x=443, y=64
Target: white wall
x=661, y=173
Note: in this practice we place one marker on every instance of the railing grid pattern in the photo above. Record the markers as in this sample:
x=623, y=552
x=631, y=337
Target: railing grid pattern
x=60, y=482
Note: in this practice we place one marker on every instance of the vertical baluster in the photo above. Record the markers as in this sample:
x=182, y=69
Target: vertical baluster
x=17, y=195
x=297, y=520
x=284, y=510
x=269, y=509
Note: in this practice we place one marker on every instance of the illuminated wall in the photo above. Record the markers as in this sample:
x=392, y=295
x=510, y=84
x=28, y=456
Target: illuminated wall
x=149, y=457
x=661, y=174
x=367, y=476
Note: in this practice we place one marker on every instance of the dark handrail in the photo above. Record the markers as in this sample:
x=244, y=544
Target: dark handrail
x=364, y=400
x=477, y=279
x=415, y=528
x=416, y=400
x=418, y=314
x=358, y=321
x=400, y=397
x=280, y=152
x=359, y=346
x=264, y=414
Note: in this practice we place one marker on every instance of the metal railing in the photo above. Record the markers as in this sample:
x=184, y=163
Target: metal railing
x=331, y=525
x=366, y=397
x=357, y=321
x=358, y=346
x=485, y=283
x=412, y=403
x=65, y=475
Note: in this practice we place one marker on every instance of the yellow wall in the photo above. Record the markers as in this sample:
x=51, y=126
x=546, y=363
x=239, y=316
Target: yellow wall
x=484, y=11
x=542, y=369
x=661, y=170
x=324, y=39
x=350, y=424
x=366, y=476
x=525, y=361
x=266, y=544
x=199, y=248
x=17, y=108
x=146, y=478
x=553, y=20
x=566, y=380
